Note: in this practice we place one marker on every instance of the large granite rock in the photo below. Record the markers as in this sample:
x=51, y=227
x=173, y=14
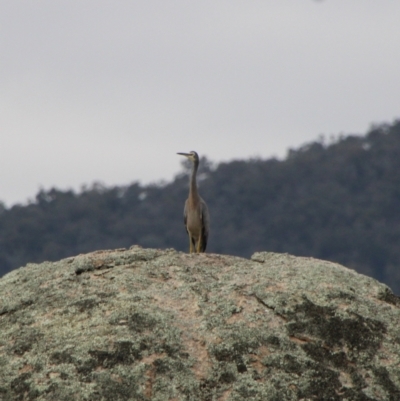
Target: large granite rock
x=145, y=324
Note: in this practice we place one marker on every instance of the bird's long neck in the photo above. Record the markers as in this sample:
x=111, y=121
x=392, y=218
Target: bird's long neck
x=193, y=193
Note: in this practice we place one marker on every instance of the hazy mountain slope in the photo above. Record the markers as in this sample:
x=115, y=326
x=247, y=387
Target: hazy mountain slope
x=337, y=201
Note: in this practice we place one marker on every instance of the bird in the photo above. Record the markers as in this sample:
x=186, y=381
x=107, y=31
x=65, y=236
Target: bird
x=195, y=213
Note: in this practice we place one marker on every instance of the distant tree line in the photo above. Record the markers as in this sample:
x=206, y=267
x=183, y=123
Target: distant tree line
x=338, y=201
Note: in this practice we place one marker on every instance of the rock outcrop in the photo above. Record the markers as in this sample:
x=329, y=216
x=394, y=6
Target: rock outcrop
x=146, y=324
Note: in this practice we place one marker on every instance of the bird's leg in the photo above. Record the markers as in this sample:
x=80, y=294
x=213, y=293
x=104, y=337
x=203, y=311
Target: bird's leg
x=199, y=243
x=190, y=245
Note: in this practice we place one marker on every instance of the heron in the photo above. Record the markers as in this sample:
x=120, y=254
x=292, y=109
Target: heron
x=195, y=213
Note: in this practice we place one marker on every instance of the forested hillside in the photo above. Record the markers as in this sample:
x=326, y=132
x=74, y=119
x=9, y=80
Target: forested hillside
x=338, y=201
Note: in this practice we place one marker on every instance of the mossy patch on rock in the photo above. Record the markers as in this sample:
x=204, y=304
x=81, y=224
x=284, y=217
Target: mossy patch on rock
x=146, y=324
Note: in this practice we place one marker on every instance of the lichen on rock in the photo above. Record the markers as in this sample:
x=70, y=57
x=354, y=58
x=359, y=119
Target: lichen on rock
x=147, y=324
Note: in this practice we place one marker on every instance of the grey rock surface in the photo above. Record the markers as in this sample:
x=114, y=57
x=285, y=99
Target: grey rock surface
x=146, y=324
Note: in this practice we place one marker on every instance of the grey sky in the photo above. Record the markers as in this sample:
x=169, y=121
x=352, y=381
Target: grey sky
x=110, y=90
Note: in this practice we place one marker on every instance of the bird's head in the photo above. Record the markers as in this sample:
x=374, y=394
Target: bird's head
x=192, y=156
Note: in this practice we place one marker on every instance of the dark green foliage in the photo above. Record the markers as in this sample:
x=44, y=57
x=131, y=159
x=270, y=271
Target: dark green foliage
x=338, y=202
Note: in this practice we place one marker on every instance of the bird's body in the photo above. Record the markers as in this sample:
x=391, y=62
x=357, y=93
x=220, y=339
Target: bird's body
x=194, y=222
x=195, y=213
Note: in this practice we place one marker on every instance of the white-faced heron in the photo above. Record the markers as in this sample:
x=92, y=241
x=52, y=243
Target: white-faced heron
x=195, y=213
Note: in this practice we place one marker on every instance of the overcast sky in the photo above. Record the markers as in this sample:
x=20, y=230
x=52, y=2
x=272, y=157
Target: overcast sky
x=109, y=91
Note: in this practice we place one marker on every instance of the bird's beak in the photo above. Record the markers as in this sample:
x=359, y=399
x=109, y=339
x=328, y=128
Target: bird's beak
x=184, y=154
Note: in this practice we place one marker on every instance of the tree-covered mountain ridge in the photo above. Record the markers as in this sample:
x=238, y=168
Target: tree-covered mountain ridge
x=338, y=201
